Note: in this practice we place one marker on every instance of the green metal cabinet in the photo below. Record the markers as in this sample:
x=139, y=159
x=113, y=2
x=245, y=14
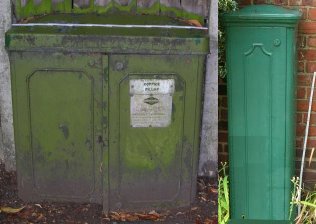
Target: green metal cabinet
x=107, y=115
x=261, y=59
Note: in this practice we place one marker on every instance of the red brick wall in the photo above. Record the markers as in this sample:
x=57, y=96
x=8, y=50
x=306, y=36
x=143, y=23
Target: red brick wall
x=306, y=44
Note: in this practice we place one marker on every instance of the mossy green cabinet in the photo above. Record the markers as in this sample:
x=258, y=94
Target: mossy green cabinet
x=107, y=119
x=58, y=119
x=261, y=90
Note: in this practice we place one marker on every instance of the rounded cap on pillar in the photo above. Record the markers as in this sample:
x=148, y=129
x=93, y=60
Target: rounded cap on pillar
x=262, y=14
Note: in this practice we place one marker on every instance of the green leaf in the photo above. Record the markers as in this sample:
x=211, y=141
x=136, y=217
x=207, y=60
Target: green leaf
x=308, y=204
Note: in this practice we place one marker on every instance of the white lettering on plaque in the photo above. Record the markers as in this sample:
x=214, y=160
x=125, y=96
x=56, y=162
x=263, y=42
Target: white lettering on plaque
x=151, y=102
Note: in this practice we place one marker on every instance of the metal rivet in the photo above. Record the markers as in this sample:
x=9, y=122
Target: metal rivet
x=119, y=66
x=277, y=42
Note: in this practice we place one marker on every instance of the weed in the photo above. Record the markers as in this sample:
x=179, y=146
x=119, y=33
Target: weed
x=307, y=213
x=223, y=195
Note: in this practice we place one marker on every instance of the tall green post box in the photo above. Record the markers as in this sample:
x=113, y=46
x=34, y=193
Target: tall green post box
x=261, y=60
x=109, y=115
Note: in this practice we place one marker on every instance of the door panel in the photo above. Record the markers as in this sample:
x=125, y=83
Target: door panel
x=58, y=121
x=152, y=161
x=61, y=105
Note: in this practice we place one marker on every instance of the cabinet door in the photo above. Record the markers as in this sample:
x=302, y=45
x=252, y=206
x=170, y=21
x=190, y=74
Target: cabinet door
x=154, y=125
x=58, y=125
x=258, y=82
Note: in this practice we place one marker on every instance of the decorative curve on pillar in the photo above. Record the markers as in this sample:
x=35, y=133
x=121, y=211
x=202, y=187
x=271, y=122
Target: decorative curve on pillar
x=257, y=45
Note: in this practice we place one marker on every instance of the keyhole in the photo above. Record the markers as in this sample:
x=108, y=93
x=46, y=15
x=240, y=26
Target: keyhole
x=100, y=140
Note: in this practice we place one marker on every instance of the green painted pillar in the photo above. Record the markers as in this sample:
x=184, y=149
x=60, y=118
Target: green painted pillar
x=261, y=90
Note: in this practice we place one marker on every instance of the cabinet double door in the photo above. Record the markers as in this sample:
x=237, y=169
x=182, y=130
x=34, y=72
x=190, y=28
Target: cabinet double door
x=119, y=130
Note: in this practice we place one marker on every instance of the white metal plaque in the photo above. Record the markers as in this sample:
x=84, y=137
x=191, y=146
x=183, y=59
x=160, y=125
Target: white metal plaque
x=151, y=102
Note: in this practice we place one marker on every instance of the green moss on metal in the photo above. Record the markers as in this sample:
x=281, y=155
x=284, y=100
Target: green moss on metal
x=104, y=10
x=91, y=3
x=28, y=9
x=176, y=12
x=31, y=9
x=129, y=8
x=163, y=151
x=112, y=18
x=18, y=8
x=154, y=9
x=111, y=7
x=65, y=6
x=59, y=7
x=83, y=10
x=46, y=7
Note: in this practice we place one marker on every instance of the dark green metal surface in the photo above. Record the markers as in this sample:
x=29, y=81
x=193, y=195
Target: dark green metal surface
x=261, y=89
x=71, y=103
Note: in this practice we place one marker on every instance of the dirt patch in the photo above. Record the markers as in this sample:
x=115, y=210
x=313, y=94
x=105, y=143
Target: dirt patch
x=203, y=211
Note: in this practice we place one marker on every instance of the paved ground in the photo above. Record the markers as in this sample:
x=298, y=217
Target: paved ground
x=203, y=211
